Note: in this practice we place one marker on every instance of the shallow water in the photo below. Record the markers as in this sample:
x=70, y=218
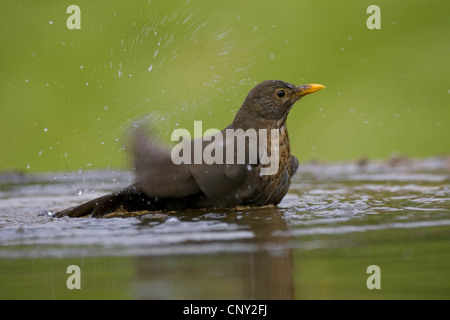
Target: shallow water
x=335, y=222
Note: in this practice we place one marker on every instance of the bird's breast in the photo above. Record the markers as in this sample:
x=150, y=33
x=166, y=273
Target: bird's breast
x=271, y=188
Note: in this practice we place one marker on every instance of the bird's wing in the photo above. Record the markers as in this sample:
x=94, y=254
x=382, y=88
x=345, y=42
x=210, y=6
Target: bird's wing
x=218, y=181
x=157, y=175
x=221, y=178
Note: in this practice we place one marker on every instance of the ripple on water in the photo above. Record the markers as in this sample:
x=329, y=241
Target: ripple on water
x=323, y=200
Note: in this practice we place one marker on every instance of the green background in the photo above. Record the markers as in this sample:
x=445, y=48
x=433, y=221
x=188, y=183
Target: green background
x=67, y=97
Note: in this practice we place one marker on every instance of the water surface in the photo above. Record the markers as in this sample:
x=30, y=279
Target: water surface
x=336, y=220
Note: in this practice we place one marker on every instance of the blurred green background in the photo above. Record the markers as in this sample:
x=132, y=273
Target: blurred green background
x=68, y=96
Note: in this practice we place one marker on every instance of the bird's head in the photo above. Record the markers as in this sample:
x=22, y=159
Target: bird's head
x=273, y=99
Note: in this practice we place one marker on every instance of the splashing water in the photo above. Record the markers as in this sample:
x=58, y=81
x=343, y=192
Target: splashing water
x=211, y=56
x=322, y=201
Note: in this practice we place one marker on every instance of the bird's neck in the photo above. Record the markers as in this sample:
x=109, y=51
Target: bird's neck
x=252, y=120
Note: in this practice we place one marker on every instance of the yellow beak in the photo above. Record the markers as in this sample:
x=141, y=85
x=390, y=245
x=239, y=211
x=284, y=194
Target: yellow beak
x=307, y=89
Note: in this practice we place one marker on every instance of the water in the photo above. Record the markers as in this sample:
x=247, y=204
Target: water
x=335, y=222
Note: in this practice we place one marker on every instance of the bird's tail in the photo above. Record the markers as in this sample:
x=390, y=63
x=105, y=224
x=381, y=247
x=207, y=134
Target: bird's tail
x=130, y=198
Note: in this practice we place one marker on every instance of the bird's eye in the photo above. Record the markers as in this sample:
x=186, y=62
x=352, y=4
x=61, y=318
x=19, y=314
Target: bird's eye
x=281, y=93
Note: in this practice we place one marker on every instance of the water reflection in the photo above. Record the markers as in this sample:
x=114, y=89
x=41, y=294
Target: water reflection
x=335, y=221
x=266, y=272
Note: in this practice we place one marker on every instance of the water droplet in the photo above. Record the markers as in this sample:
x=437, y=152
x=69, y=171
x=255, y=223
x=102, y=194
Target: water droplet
x=79, y=192
x=173, y=220
x=50, y=21
x=28, y=166
x=45, y=129
x=150, y=68
x=81, y=67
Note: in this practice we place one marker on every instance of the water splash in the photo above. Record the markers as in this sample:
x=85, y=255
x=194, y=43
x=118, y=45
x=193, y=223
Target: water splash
x=323, y=200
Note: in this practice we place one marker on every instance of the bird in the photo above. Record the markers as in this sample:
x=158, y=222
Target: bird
x=162, y=184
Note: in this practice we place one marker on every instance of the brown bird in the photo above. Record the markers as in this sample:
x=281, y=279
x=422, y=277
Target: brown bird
x=236, y=178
